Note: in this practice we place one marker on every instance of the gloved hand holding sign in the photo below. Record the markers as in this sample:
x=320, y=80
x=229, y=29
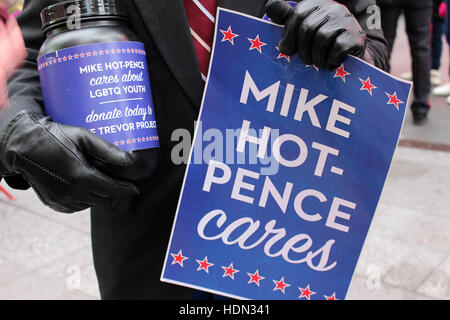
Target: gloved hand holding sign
x=322, y=32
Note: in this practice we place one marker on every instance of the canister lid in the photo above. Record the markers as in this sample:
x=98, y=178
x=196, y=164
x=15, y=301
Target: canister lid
x=82, y=9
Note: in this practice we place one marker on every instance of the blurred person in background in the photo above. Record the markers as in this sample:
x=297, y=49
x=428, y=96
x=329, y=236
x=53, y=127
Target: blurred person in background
x=438, y=25
x=12, y=49
x=444, y=90
x=438, y=29
x=418, y=23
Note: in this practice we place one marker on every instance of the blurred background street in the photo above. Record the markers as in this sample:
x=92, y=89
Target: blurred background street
x=47, y=255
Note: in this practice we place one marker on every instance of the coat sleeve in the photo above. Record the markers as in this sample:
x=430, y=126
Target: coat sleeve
x=24, y=86
x=368, y=16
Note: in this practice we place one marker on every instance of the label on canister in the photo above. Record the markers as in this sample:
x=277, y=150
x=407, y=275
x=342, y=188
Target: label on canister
x=103, y=87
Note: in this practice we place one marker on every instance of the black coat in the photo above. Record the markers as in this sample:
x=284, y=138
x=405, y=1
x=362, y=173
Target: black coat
x=130, y=236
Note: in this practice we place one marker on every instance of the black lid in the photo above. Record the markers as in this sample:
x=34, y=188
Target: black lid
x=61, y=11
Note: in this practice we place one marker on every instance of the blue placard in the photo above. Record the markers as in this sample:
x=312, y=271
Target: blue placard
x=286, y=171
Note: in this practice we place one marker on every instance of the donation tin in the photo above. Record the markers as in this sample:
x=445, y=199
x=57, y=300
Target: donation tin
x=94, y=74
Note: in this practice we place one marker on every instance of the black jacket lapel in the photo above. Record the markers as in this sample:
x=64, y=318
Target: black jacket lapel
x=168, y=25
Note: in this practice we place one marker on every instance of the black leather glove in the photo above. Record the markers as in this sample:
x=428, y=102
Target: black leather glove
x=322, y=32
x=62, y=163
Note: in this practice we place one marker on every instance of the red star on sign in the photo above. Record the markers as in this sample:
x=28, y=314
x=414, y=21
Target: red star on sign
x=204, y=265
x=282, y=55
x=255, y=278
x=256, y=44
x=367, y=85
x=178, y=258
x=306, y=293
x=341, y=73
x=280, y=285
x=394, y=100
x=229, y=271
x=229, y=35
x=332, y=297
